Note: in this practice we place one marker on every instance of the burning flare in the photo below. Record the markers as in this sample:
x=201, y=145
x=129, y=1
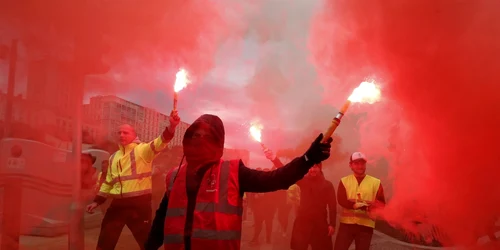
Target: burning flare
x=366, y=92
x=256, y=132
x=181, y=80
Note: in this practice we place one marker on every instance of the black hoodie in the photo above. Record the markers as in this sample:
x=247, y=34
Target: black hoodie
x=250, y=180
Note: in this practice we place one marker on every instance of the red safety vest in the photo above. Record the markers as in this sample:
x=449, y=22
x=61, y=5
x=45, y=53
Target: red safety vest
x=218, y=210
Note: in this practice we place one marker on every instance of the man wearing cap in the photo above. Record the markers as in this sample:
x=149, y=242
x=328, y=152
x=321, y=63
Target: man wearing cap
x=358, y=194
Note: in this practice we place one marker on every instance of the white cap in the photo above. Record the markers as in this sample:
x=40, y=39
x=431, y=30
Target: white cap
x=357, y=156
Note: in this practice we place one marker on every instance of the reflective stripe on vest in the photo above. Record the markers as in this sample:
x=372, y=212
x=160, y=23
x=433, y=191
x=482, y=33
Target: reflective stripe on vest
x=204, y=234
x=129, y=175
x=210, y=207
x=133, y=169
x=350, y=213
x=220, y=208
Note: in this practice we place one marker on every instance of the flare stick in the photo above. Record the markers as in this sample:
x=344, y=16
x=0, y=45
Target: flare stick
x=336, y=121
x=175, y=100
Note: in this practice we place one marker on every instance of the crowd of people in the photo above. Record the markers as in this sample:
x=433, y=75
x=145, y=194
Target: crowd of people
x=205, y=199
x=201, y=203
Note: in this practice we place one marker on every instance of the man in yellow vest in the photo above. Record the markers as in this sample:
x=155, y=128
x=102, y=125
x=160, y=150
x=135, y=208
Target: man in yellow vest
x=358, y=194
x=128, y=182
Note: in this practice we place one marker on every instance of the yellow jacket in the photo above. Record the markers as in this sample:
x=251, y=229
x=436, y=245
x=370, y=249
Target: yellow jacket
x=130, y=169
x=293, y=195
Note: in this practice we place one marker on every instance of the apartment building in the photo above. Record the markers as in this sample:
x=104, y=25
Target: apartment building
x=50, y=86
x=111, y=111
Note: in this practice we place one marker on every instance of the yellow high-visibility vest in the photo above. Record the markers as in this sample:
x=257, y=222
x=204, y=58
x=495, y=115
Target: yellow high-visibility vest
x=366, y=191
x=293, y=195
x=130, y=169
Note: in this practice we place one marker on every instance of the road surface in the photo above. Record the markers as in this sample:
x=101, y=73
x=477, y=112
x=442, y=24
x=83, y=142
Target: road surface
x=126, y=242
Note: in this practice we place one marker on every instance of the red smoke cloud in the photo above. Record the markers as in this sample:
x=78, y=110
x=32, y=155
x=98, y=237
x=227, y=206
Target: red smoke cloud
x=151, y=38
x=438, y=61
x=143, y=42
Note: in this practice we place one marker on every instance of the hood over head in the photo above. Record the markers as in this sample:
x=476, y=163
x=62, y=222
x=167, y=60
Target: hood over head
x=207, y=146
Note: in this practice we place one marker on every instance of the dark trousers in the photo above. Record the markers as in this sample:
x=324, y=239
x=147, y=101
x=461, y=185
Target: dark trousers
x=134, y=215
x=347, y=233
x=262, y=217
x=283, y=215
x=309, y=232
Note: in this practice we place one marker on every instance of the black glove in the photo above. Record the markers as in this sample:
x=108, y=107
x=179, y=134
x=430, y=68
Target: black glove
x=318, y=151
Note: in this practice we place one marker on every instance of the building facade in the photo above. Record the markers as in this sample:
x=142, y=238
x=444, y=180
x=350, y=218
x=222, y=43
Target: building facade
x=50, y=86
x=109, y=112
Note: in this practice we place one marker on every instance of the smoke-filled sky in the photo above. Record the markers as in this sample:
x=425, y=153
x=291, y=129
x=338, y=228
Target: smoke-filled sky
x=289, y=65
x=266, y=76
x=257, y=69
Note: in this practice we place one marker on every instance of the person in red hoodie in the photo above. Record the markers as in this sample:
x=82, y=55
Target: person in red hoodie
x=202, y=207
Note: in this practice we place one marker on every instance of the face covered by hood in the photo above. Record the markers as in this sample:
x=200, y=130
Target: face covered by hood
x=203, y=141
